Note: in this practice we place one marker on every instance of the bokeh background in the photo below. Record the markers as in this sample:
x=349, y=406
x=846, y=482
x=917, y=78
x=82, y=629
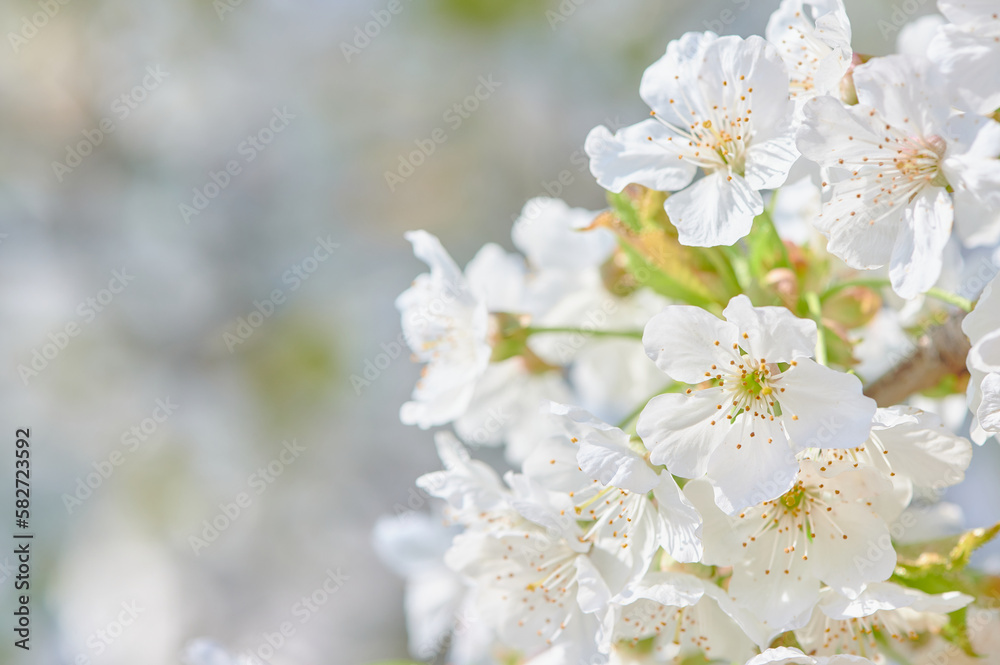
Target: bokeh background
x=225, y=67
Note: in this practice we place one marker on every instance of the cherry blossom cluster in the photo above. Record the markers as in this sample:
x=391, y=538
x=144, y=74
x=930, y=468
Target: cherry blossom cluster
x=715, y=400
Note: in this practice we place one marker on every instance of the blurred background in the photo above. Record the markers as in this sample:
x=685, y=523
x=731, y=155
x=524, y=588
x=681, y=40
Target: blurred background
x=200, y=247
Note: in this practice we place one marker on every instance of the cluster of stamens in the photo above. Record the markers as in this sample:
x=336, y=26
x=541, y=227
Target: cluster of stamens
x=719, y=141
x=791, y=520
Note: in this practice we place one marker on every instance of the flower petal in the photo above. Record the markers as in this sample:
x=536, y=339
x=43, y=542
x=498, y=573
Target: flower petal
x=639, y=154
x=685, y=342
x=918, y=254
x=676, y=430
x=716, y=210
x=772, y=333
x=823, y=408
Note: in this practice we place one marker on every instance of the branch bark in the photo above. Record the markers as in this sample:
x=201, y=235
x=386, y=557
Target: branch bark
x=940, y=351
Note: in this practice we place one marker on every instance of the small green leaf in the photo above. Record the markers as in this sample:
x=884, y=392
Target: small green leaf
x=969, y=542
x=623, y=206
x=766, y=250
x=649, y=275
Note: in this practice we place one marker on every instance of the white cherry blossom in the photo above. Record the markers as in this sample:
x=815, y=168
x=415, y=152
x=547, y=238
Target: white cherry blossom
x=982, y=326
x=903, y=169
x=721, y=105
x=911, y=449
x=824, y=530
x=814, y=40
x=439, y=605
x=790, y=656
x=615, y=491
x=686, y=616
x=446, y=324
x=758, y=398
x=967, y=52
x=883, y=609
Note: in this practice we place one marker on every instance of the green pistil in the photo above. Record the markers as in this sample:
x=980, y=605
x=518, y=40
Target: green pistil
x=792, y=499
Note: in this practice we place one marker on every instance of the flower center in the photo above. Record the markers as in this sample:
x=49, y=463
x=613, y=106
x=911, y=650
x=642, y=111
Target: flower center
x=919, y=158
x=750, y=382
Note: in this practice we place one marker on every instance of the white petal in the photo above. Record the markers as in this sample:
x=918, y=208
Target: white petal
x=989, y=409
x=679, y=523
x=780, y=601
x=823, y=408
x=773, y=333
x=497, y=278
x=666, y=588
x=686, y=341
x=639, y=154
x=550, y=234
x=716, y=210
x=466, y=484
x=604, y=451
x=769, y=162
x=763, y=468
x=552, y=464
x=662, y=89
x=924, y=451
x=881, y=596
x=865, y=555
x=917, y=256
x=720, y=542
x=594, y=594
x=428, y=249
x=676, y=431
x=896, y=86
x=782, y=656
x=720, y=77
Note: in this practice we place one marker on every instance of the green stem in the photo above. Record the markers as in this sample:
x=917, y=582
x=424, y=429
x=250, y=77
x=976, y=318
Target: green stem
x=816, y=310
x=952, y=299
x=630, y=334
x=963, y=304
x=724, y=269
x=768, y=224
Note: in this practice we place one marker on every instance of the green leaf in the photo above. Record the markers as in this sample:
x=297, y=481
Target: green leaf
x=940, y=567
x=766, y=251
x=623, y=206
x=969, y=542
x=649, y=275
x=956, y=631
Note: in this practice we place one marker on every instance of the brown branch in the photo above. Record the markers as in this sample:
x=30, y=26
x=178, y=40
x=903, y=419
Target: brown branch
x=940, y=351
